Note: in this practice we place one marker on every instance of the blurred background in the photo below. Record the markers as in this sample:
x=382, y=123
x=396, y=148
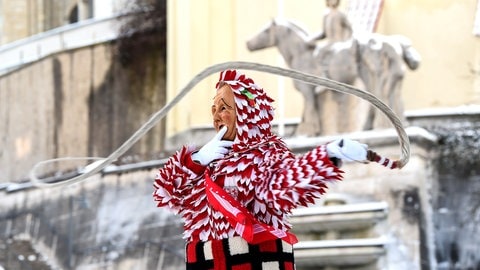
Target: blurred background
x=79, y=77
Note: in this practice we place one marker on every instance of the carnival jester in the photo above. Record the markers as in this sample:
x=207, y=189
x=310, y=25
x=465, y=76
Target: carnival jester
x=235, y=193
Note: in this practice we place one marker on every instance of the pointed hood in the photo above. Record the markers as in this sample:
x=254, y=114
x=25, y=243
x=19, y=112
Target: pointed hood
x=253, y=107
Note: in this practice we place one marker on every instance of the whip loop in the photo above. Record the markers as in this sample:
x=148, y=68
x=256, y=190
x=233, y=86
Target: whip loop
x=293, y=74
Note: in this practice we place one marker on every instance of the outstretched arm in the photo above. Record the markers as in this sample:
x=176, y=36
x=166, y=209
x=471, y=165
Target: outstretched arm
x=318, y=36
x=294, y=181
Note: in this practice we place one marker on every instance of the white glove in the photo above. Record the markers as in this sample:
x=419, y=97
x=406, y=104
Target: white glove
x=214, y=149
x=348, y=150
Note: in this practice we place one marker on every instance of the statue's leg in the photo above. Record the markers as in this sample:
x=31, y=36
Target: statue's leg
x=391, y=85
x=310, y=124
x=343, y=111
x=373, y=65
x=370, y=118
x=394, y=94
x=341, y=66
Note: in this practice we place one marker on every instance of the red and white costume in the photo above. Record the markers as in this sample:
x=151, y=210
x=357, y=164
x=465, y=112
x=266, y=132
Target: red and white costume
x=260, y=173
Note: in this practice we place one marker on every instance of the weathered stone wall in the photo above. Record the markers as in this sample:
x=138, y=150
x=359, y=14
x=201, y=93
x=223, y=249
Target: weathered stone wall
x=84, y=102
x=109, y=220
x=455, y=193
x=409, y=224
x=407, y=192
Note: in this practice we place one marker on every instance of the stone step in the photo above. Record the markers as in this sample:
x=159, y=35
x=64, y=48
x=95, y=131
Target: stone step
x=353, y=216
x=345, y=252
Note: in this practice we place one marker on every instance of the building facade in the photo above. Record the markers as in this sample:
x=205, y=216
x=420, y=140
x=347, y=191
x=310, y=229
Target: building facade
x=75, y=82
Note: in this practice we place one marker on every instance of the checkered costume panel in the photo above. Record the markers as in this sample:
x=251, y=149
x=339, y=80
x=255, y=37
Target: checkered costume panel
x=236, y=254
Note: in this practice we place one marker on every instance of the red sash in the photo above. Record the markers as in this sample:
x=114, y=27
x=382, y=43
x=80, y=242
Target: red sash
x=244, y=223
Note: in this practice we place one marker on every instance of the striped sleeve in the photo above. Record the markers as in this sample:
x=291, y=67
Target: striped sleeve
x=298, y=181
x=176, y=179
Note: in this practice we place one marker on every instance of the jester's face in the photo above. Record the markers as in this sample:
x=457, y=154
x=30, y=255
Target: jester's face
x=224, y=112
x=244, y=108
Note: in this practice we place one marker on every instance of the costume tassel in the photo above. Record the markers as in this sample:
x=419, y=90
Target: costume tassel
x=373, y=156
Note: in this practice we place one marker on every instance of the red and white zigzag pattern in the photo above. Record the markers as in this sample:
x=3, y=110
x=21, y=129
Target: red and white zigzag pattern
x=261, y=173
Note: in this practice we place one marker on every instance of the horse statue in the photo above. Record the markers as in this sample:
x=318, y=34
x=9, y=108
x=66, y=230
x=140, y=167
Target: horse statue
x=383, y=59
x=368, y=59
